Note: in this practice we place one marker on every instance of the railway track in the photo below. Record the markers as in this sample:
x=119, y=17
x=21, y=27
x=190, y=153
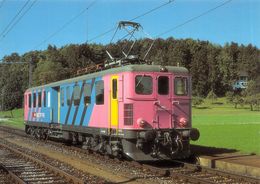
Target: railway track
x=175, y=171
x=17, y=167
x=3, y=175
x=192, y=173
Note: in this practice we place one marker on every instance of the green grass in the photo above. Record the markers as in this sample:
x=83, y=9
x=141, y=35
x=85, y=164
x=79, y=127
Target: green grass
x=223, y=126
x=15, y=121
x=220, y=125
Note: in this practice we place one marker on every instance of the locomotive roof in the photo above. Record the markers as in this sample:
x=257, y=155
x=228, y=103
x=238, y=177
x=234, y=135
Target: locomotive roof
x=126, y=68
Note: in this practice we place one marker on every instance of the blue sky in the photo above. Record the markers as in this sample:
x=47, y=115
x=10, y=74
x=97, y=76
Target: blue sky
x=237, y=21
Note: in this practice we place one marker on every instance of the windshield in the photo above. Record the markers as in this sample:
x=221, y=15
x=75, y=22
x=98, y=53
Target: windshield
x=143, y=85
x=163, y=85
x=180, y=86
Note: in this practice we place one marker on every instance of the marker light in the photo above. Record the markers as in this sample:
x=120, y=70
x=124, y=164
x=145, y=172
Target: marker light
x=141, y=122
x=183, y=122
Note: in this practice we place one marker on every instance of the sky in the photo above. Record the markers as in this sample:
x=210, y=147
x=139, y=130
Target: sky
x=60, y=22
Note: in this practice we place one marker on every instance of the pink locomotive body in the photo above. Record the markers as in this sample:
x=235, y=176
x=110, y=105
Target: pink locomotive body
x=142, y=112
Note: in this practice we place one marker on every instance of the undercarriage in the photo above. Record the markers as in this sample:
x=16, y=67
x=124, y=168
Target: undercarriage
x=139, y=145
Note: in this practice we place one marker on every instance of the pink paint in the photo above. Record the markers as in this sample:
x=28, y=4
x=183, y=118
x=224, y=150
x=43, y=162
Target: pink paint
x=158, y=111
x=26, y=105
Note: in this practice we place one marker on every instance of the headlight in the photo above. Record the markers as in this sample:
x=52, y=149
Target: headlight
x=183, y=122
x=141, y=122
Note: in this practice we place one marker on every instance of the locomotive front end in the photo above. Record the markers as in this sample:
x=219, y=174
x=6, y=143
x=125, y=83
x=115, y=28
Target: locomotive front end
x=161, y=115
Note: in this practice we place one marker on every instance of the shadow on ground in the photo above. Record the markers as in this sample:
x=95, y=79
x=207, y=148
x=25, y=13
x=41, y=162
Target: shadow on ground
x=210, y=151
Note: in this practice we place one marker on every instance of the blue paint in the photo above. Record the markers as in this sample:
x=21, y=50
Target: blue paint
x=54, y=105
x=81, y=106
x=43, y=109
x=64, y=109
x=93, y=102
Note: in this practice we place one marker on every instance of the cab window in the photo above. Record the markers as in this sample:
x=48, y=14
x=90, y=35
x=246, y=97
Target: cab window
x=181, y=86
x=163, y=85
x=143, y=85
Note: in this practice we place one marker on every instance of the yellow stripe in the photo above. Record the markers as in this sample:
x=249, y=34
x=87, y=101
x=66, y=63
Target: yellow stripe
x=114, y=105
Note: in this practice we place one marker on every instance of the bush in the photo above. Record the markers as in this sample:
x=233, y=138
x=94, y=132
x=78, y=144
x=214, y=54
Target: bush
x=212, y=96
x=197, y=101
x=253, y=101
x=229, y=96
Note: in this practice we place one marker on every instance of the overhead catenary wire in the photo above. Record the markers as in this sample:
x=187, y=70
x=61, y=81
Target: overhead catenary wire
x=17, y=21
x=194, y=18
x=186, y=22
x=137, y=17
x=13, y=19
x=66, y=24
x=152, y=10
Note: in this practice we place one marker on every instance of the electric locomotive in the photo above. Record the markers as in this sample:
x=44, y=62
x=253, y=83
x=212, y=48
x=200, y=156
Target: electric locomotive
x=142, y=112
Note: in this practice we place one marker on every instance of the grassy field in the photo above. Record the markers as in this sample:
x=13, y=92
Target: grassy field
x=223, y=126
x=220, y=125
x=15, y=121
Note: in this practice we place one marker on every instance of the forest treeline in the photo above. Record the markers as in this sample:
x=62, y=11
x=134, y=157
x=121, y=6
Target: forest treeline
x=214, y=68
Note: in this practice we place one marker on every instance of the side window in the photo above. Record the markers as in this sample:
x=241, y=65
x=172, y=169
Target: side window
x=99, y=87
x=49, y=99
x=181, y=86
x=39, y=99
x=30, y=100
x=143, y=85
x=34, y=99
x=163, y=85
x=44, y=98
x=76, y=95
x=62, y=97
x=68, y=95
x=114, y=88
x=87, y=94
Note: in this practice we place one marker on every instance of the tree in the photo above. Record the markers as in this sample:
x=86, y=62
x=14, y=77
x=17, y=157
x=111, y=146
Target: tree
x=48, y=71
x=252, y=93
x=14, y=57
x=199, y=70
x=13, y=82
x=212, y=96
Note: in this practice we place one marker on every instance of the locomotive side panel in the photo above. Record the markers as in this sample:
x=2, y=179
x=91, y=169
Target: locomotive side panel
x=38, y=106
x=98, y=115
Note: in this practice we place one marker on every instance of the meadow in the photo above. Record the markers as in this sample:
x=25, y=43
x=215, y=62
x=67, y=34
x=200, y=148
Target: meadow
x=13, y=119
x=219, y=123
x=223, y=126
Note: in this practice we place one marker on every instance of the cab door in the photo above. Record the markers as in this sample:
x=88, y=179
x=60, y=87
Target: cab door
x=114, y=102
x=163, y=107
x=181, y=101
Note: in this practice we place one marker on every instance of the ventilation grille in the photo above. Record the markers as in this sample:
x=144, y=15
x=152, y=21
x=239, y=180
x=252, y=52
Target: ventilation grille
x=128, y=114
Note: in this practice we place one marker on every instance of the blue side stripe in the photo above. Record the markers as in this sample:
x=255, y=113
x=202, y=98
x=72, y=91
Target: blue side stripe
x=93, y=102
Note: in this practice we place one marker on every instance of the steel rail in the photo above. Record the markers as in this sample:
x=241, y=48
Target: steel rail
x=218, y=172
x=54, y=170
x=12, y=176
